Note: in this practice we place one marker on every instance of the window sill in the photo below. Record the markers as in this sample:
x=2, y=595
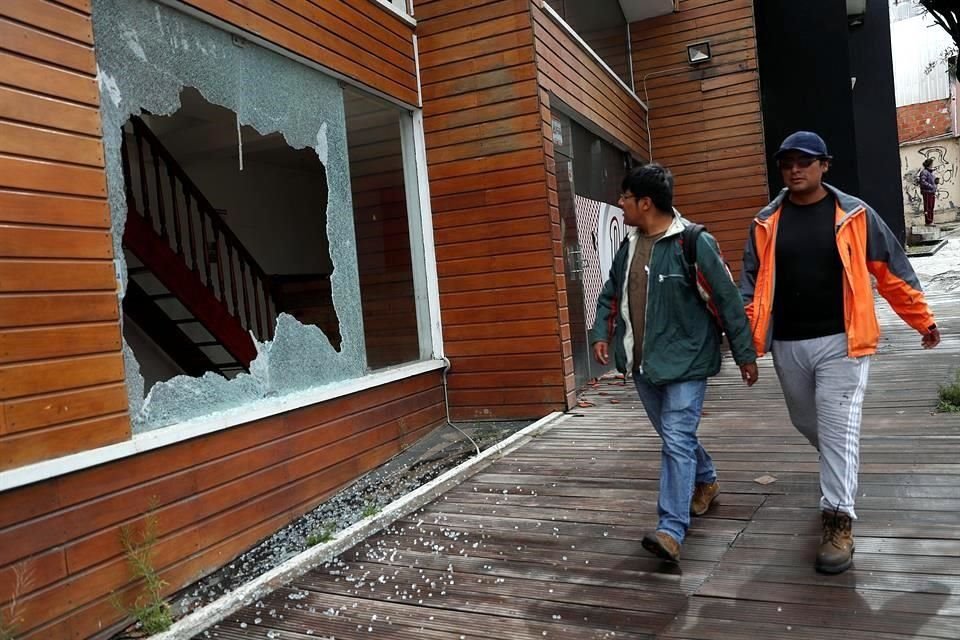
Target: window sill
x=207, y=425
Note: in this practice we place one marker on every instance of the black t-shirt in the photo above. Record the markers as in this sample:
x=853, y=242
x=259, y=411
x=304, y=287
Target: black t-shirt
x=808, y=294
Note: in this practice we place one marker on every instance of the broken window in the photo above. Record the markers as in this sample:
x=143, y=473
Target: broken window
x=259, y=253
x=226, y=229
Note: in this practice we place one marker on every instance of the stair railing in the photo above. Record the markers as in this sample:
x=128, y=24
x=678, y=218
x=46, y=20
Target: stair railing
x=179, y=213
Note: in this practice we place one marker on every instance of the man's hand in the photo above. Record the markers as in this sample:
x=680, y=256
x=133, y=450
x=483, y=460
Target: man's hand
x=932, y=339
x=601, y=352
x=749, y=373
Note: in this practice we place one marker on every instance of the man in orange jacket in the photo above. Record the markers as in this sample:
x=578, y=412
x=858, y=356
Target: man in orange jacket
x=806, y=282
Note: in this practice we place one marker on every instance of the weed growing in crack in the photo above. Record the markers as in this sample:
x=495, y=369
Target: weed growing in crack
x=370, y=509
x=323, y=535
x=149, y=608
x=949, y=395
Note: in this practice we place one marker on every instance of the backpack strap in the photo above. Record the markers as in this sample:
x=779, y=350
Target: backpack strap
x=688, y=243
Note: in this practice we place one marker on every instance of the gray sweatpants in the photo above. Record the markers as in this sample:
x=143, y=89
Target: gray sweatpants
x=824, y=392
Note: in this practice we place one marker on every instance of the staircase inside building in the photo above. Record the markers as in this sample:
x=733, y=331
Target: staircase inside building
x=193, y=287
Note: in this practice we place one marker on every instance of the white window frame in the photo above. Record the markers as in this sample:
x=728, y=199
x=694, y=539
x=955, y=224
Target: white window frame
x=401, y=8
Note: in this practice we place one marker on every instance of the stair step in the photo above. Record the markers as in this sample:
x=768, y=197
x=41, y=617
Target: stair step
x=186, y=321
x=162, y=296
x=136, y=270
x=212, y=343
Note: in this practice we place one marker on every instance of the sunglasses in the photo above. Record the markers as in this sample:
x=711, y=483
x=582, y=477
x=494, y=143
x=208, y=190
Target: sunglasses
x=803, y=163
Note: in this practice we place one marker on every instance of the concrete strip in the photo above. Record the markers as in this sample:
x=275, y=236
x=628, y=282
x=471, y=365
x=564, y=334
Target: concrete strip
x=207, y=616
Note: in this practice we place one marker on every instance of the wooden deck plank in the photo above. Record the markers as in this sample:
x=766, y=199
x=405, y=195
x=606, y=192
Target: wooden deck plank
x=546, y=541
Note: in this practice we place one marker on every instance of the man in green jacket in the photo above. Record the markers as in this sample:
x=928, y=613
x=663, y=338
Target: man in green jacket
x=664, y=331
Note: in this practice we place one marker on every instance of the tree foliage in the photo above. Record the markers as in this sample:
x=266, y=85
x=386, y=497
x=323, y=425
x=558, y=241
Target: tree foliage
x=946, y=13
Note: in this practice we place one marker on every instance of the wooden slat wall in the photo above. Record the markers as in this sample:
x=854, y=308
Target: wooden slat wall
x=498, y=288
x=705, y=122
x=215, y=497
x=567, y=72
x=356, y=38
x=61, y=373
x=571, y=74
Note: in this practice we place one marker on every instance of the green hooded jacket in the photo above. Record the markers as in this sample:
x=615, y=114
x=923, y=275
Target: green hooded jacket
x=681, y=339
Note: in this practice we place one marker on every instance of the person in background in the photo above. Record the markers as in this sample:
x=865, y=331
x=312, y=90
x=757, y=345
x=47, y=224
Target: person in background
x=928, y=190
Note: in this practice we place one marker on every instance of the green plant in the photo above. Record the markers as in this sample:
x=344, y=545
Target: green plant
x=949, y=395
x=9, y=624
x=149, y=608
x=319, y=537
x=12, y=617
x=8, y=628
x=370, y=509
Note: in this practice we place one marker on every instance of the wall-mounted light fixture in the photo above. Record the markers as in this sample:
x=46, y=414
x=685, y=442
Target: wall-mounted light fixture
x=856, y=10
x=698, y=52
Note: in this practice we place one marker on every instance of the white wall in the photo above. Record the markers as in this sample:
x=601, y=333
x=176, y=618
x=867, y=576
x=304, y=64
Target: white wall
x=917, y=42
x=283, y=226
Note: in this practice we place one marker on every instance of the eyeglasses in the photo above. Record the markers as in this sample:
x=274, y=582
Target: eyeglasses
x=627, y=196
x=803, y=162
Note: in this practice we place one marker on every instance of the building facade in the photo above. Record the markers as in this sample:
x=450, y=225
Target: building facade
x=250, y=251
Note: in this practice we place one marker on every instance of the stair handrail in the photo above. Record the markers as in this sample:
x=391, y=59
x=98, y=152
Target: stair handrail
x=206, y=211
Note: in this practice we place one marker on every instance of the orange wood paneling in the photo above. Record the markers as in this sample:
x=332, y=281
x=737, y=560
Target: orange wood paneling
x=705, y=121
x=215, y=497
x=490, y=207
x=59, y=333
x=573, y=76
x=355, y=38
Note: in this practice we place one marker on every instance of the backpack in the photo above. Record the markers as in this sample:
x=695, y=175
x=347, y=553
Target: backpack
x=688, y=245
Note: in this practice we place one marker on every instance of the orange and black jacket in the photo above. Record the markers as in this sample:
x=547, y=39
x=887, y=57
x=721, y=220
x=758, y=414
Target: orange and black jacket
x=866, y=246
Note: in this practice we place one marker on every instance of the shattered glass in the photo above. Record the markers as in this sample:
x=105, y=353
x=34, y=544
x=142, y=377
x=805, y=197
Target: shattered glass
x=431, y=456
x=146, y=55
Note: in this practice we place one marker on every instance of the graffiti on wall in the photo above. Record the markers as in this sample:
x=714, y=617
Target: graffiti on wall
x=601, y=230
x=944, y=167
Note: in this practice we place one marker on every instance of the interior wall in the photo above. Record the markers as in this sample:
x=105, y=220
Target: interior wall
x=155, y=364
x=279, y=213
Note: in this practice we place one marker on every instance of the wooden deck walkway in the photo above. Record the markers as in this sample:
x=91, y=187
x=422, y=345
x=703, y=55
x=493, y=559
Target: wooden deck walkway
x=546, y=543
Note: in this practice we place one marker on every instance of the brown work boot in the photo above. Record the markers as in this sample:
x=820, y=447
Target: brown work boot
x=703, y=496
x=662, y=545
x=835, y=554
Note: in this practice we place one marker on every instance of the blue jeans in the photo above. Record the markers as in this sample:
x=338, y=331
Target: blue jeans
x=674, y=409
